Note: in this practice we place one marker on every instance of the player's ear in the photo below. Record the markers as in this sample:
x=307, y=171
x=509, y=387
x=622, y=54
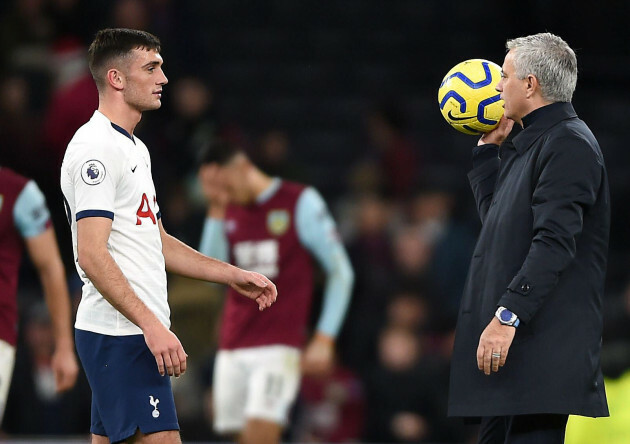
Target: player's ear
x=115, y=79
x=531, y=85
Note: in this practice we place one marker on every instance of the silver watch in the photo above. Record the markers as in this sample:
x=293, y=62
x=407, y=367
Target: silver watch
x=506, y=317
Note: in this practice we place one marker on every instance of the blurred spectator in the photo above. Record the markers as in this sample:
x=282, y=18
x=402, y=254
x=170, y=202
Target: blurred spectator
x=408, y=311
x=132, y=14
x=24, y=35
x=180, y=139
x=370, y=254
x=34, y=407
x=73, y=100
x=18, y=127
x=395, y=154
x=273, y=154
x=412, y=251
x=403, y=391
x=452, y=243
x=330, y=408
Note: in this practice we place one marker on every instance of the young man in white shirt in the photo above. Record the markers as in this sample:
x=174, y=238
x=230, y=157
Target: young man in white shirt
x=122, y=251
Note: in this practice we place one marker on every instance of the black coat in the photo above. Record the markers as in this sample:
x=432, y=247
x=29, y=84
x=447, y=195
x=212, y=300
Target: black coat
x=545, y=211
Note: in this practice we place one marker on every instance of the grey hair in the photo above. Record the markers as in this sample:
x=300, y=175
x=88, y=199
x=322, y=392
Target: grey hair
x=550, y=60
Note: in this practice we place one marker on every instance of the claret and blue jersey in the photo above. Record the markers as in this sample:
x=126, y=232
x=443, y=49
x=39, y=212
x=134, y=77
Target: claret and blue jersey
x=279, y=235
x=23, y=214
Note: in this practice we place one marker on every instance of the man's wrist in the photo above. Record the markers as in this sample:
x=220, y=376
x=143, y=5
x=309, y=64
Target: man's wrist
x=324, y=338
x=65, y=343
x=507, y=317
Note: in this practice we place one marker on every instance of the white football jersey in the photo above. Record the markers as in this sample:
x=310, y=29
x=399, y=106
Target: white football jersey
x=107, y=173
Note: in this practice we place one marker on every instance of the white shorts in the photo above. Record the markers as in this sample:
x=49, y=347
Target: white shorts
x=254, y=383
x=7, y=360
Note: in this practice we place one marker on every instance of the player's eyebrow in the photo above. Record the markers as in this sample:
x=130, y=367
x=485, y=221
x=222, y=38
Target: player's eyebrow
x=152, y=63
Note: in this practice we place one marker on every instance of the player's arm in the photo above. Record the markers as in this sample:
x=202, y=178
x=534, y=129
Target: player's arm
x=44, y=254
x=99, y=266
x=214, y=242
x=318, y=233
x=33, y=221
x=184, y=260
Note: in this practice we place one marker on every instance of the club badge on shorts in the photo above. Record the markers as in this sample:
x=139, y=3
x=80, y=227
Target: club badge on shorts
x=278, y=222
x=93, y=172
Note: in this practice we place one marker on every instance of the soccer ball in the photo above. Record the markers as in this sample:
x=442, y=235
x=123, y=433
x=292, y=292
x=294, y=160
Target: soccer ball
x=468, y=99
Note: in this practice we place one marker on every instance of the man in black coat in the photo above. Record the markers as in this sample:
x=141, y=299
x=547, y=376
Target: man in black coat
x=536, y=280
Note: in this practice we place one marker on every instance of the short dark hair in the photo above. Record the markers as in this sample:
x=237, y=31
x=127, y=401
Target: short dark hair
x=219, y=151
x=113, y=43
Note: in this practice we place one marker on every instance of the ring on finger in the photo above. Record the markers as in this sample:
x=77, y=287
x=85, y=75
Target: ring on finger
x=496, y=355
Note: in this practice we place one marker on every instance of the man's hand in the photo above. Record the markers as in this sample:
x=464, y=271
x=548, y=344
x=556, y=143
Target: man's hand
x=497, y=135
x=318, y=358
x=168, y=351
x=65, y=367
x=255, y=286
x=213, y=186
x=495, y=340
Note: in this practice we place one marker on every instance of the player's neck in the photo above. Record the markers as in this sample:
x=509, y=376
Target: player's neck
x=259, y=182
x=120, y=113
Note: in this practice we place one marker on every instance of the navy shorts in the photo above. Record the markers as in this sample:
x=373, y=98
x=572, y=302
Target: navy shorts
x=128, y=392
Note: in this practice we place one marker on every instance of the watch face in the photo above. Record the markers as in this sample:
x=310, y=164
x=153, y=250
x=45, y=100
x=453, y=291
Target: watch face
x=506, y=315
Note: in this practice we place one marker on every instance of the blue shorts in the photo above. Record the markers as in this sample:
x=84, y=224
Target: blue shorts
x=128, y=392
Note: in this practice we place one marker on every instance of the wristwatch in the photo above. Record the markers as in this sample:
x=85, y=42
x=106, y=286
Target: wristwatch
x=506, y=317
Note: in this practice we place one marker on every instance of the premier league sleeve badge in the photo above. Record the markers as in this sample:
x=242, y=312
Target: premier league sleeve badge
x=93, y=172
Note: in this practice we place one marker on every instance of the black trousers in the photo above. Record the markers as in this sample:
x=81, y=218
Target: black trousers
x=523, y=429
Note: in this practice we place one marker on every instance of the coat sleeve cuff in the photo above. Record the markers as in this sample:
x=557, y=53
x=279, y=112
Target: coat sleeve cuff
x=485, y=163
x=482, y=153
x=519, y=298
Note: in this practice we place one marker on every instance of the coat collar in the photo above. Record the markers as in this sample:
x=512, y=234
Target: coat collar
x=539, y=121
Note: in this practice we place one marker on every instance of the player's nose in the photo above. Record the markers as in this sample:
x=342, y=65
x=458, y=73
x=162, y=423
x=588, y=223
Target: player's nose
x=163, y=80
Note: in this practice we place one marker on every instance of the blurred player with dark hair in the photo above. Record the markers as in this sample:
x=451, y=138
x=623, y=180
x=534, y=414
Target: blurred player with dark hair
x=275, y=227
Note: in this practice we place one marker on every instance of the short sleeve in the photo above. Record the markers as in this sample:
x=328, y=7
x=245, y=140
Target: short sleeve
x=30, y=212
x=95, y=174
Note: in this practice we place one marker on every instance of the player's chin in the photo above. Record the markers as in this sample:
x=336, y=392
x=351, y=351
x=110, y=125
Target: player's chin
x=156, y=103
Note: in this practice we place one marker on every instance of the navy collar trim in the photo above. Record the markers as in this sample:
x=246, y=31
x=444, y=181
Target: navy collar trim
x=123, y=131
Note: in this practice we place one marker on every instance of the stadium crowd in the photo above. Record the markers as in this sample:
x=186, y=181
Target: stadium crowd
x=331, y=96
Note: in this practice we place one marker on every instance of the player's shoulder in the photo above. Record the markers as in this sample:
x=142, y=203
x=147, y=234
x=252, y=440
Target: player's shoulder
x=95, y=132
x=310, y=200
x=10, y=178
x=92, y=140
x=293, y=188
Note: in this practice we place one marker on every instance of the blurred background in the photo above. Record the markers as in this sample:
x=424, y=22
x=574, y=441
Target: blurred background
x=341, y=95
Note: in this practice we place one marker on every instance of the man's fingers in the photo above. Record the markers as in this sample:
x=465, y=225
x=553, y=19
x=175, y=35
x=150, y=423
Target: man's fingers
x=182, y=360
x=176, y=363
x=487, y=362
x=168, y=363
x=480, y=353
x=160, y=363
x=496, y=360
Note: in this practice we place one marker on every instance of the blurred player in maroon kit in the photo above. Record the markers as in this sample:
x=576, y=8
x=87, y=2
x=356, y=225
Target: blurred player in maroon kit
x=275, y=227
x=25, y=220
